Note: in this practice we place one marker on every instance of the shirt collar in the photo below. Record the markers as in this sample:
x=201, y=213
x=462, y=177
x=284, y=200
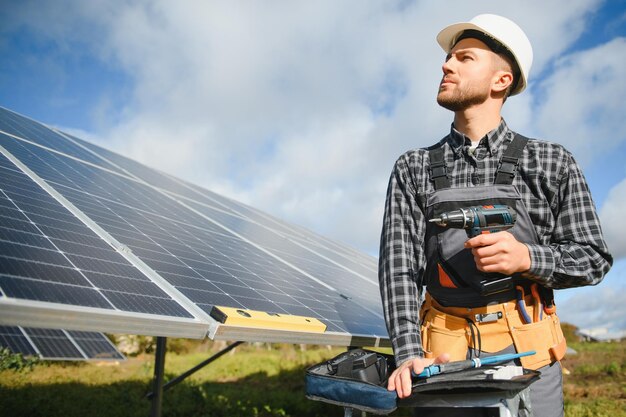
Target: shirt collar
x=492, y=140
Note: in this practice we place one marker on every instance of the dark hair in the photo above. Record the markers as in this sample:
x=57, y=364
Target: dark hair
x=497, y=47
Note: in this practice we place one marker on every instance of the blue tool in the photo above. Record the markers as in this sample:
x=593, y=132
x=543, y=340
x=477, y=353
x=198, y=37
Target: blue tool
x=456, y=366
x=538, y=313
x=520, y=304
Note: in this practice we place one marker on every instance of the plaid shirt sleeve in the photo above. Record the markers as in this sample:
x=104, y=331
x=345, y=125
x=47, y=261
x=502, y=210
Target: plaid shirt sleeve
x=401, y=263
x=576, y=254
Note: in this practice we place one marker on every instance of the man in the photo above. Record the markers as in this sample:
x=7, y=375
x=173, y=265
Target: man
x=555, y=243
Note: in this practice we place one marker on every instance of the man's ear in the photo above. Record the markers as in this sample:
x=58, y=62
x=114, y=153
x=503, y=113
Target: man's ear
x=501, y=81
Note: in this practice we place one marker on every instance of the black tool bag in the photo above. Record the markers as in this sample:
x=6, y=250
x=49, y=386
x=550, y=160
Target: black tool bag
x=358, y=379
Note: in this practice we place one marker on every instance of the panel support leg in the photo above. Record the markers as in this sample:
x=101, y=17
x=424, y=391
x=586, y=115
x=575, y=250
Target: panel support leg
x=158, y=388
x=157, y=382
x=196, y=368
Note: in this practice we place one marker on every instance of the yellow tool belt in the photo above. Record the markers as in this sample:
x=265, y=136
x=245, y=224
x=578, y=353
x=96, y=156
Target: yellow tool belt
x=454, y=330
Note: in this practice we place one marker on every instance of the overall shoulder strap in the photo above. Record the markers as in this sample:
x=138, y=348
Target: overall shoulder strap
x=510, y=159
x=437, y=170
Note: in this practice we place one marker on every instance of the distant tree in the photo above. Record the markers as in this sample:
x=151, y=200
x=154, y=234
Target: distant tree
x=569, y=331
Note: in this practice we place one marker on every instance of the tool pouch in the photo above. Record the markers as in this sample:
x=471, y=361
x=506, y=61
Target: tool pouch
x=443, y=333
x=448, y=332
x=545, y=337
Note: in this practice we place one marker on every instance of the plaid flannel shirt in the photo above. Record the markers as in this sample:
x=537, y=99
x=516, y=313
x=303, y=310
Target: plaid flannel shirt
x=571, y=250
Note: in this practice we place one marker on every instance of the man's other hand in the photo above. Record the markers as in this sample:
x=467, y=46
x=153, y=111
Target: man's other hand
x=400, y=380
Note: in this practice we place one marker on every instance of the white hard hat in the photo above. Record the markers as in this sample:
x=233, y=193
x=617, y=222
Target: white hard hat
x=500, y=29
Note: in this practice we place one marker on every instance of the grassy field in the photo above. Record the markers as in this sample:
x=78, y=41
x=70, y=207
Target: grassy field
x=596, y=384
x=254, y=380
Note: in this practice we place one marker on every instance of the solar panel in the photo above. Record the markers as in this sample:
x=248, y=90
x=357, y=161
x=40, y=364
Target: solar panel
x=18, y=126
x=49, y=344
x=49, y=257
x=116, y=235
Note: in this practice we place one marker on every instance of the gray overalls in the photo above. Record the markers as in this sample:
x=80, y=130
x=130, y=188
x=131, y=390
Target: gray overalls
x=454, y=282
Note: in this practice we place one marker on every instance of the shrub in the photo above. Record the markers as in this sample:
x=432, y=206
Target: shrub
x=15, y=361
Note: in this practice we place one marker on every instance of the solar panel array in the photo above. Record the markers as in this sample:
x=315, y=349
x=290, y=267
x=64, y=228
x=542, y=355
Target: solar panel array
x=135, y=250
x=53, y=344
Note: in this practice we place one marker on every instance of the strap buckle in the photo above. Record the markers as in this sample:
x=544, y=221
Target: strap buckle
x=508, y=165
x=438, y=170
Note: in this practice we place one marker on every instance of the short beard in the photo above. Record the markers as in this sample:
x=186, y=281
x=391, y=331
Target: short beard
x=463, y=100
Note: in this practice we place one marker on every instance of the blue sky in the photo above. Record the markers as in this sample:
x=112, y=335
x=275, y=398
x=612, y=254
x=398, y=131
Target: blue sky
x=300, y=108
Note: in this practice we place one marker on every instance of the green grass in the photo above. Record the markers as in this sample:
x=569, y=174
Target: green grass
x=596, y=384
x=254, y=381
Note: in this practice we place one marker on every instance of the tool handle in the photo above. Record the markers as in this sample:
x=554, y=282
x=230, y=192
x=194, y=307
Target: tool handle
x=446, y=367
x=482, y=230
x=427, y=372
x=458, y=365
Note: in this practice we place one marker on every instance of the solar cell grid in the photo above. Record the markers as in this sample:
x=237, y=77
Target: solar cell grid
x=366, y=322
x=39, y=264
x=54, y=344
x=58, y=344
x=189, y=262
x=180, y=188
x=31, y=130
x=365, y=266
x=41, y=271
x=15, y=340
x=167, y=231
x=60, y=293
x=242, y=210
x=21, y=150
x=327, y=272
x=346, y=256
x=95, y=345
x=339, y=278
x=153, y=177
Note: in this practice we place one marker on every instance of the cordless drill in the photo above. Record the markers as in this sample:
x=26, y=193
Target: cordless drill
x=477, y=220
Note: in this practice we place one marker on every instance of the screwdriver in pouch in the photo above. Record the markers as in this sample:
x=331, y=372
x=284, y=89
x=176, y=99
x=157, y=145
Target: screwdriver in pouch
x=444, y=368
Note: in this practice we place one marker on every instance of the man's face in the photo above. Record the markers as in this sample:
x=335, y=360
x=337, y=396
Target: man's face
x=467, y=75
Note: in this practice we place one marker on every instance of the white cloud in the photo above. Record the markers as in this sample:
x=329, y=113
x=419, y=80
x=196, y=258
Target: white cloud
x=579, y=102
x=615, y=231
x=601, y=306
